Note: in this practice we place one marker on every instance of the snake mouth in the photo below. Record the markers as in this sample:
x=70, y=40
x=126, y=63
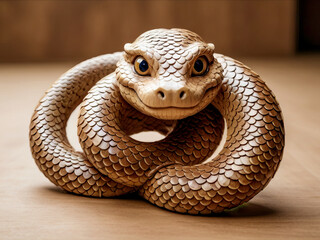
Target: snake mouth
x=170, y=112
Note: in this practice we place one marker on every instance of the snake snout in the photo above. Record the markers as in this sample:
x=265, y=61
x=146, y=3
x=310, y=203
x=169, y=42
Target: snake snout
x=172, y=95
x=162, y=97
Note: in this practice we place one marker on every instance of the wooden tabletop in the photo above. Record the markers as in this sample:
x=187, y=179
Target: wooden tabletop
x=33, y=208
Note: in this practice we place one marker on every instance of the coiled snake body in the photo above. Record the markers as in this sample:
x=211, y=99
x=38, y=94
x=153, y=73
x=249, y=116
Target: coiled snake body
x=169, y=81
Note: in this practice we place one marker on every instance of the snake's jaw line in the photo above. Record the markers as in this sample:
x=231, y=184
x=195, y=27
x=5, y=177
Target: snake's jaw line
x=168, y=112
x=171, y=95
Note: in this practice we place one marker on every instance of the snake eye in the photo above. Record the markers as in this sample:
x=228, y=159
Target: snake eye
x=200, y=66
x=141, y=66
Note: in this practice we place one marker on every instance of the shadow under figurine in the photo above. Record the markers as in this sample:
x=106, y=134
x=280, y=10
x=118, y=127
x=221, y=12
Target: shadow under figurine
x=170, y=81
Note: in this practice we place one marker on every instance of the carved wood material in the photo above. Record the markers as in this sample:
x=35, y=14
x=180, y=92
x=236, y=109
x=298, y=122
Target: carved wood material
x=172, y=98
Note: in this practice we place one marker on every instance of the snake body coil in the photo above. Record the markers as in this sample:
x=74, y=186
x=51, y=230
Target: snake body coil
x=169, y=81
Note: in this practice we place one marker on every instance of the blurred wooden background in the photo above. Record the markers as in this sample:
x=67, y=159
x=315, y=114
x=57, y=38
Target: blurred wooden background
x=56, y=30
x=48, y=30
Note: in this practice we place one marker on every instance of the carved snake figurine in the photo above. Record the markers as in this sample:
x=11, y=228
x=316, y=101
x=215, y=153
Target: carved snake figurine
x=170, y=81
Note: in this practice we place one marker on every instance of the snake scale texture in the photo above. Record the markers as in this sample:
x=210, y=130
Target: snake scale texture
x=170, y=81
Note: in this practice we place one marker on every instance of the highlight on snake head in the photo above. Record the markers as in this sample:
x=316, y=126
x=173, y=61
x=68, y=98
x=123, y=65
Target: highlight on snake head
x=172, y=82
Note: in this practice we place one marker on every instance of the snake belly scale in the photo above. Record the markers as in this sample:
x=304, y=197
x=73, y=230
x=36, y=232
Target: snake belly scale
x=170, y=81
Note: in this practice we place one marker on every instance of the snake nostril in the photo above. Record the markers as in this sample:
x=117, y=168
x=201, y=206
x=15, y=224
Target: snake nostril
x=182, y=94
x=161, y=95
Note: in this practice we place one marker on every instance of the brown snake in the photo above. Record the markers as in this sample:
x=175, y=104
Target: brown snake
x=172, y=82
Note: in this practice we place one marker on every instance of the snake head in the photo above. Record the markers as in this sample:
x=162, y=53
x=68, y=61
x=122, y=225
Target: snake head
x=169, y=73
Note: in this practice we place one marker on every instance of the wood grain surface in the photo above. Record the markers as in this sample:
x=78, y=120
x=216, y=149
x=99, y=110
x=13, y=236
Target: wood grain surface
x=37, y=30
x=33, y=208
